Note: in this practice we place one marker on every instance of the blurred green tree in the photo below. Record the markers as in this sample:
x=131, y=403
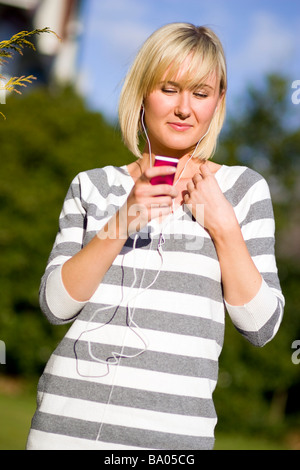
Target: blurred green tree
x=47, y=139
x=257, y=386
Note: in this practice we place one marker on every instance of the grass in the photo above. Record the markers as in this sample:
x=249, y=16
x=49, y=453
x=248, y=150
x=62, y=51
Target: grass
x=240, y=442
x=17, y=406
x=16, y=413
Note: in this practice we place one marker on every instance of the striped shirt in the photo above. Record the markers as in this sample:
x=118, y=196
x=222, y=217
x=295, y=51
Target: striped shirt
x=139, y=364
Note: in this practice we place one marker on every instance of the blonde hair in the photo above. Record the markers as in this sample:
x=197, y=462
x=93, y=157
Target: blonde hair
x=160, y=59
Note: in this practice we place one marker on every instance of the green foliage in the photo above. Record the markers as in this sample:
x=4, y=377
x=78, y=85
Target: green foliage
x=46, y=140
x=16, y=410
x=256, y=386
x=262, y=135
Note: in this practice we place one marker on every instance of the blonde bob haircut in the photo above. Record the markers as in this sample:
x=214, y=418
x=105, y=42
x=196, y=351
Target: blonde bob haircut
x=159, y=59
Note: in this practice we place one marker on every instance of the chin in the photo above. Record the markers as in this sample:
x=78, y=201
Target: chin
x=180, y=151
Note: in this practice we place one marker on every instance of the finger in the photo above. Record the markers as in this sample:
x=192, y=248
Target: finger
x=159, y=171
x=163, y=190
x=204, y=170
x=197, y=178
x=144, y=190
x=190, y=186
x=162, y=201
x=186, y=197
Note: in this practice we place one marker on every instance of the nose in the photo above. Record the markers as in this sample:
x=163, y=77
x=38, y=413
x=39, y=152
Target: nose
x=183, y=105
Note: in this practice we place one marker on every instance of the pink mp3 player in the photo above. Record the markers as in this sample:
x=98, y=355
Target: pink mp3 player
x=164, y=161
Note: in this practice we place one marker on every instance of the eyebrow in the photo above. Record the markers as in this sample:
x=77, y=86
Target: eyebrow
x=169, y=82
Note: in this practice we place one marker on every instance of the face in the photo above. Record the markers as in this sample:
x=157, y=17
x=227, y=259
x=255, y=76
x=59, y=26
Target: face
x=177, y=118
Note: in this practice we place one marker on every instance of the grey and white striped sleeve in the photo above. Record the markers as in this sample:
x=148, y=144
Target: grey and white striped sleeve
x=58, y=306
x=259, y=320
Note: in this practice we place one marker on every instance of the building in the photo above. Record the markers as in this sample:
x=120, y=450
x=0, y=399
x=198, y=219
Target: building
x=54, y=59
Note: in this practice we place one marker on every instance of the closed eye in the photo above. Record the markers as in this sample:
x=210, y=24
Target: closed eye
x=169, y=90
x=201, y=95
x=172, y=91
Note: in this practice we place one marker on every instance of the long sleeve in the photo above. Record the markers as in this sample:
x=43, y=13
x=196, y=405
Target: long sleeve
x=55, y=301
x=259, y=319
x=92, y=199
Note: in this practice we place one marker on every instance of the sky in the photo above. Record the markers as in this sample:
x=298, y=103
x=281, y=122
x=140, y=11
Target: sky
x=259, y=37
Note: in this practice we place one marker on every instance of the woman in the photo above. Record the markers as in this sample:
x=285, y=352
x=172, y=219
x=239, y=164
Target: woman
x=144, y=270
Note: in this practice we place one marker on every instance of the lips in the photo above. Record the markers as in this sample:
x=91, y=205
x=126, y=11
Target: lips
x=179, y=126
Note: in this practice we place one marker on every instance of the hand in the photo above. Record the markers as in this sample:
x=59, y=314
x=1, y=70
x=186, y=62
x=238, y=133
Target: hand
x=146, y=201
x=208, y=204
